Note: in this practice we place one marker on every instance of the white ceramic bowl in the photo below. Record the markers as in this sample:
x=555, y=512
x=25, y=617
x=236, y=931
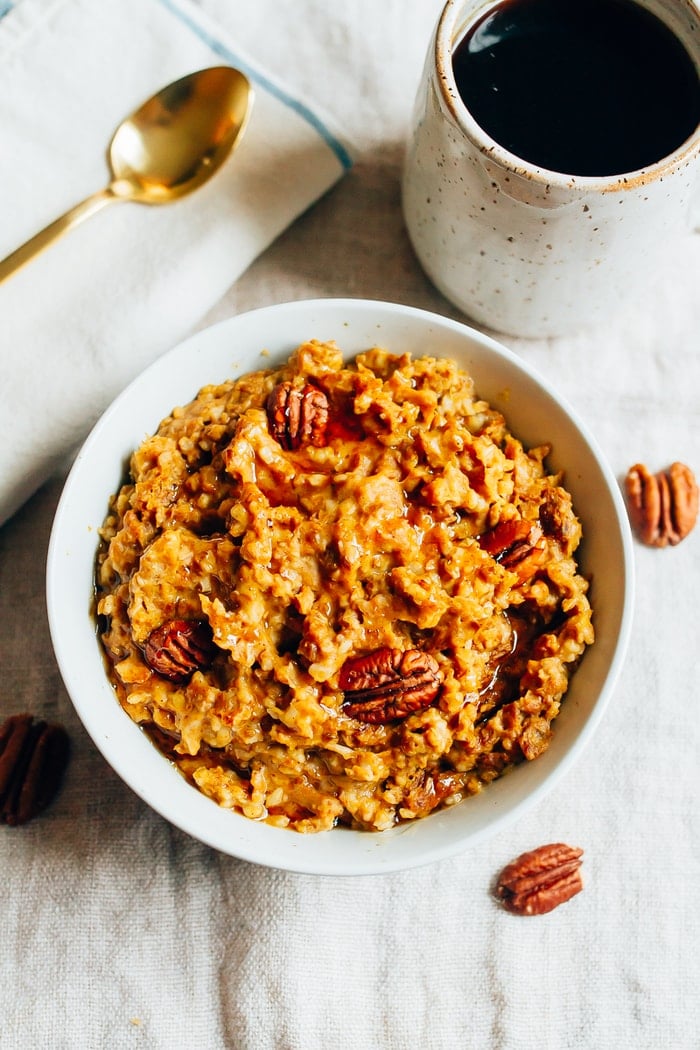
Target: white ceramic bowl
x=535, y=413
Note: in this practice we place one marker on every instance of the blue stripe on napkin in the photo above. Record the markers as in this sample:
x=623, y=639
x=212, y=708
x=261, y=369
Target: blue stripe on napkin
x=5, y=7
x=253, y=74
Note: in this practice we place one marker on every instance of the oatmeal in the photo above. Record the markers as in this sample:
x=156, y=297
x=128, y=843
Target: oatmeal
x=342, y=593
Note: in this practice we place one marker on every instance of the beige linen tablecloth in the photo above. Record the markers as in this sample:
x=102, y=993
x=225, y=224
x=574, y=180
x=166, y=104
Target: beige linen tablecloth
x=119, y=931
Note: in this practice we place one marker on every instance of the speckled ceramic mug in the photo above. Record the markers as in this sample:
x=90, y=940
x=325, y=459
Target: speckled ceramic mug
x=521, y=249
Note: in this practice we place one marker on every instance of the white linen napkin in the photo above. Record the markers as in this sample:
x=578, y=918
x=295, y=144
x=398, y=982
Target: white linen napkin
x=84, y=317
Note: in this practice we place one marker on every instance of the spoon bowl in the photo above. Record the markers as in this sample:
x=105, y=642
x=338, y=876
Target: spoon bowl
x=169, y=146
x=176, y=140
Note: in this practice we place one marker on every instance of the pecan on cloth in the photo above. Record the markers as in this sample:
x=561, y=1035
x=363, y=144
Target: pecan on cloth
x=663, y=507
x=33, y=759
x=540, y=880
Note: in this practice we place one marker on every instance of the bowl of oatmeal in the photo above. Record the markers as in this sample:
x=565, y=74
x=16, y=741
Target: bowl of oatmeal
x=340, y=586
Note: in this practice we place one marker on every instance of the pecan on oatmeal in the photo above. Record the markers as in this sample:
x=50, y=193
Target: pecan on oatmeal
x=178, y=648
x=342, y=592
x=389, y=684
x=297, y=415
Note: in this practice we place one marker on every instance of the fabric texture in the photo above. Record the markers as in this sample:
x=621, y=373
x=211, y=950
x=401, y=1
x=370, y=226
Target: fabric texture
x=119, y=931
x=131, y=281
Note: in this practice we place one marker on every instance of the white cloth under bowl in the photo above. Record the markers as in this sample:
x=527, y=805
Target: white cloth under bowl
x=119, y=932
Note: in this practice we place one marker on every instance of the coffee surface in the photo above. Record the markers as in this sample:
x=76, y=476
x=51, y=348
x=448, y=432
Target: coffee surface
x=588, y=88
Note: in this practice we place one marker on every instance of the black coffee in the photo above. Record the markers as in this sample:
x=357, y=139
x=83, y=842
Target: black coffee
x=582, y=87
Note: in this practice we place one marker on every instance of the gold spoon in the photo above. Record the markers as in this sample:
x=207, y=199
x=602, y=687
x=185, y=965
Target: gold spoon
x=171, y=145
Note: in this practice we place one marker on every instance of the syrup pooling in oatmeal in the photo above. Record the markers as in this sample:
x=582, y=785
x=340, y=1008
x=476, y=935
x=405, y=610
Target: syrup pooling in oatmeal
x=342, y=593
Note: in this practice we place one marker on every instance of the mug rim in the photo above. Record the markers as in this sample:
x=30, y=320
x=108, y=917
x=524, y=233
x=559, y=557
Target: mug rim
x=491, y=149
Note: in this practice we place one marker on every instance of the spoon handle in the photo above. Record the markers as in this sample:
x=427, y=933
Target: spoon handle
x=54, y=230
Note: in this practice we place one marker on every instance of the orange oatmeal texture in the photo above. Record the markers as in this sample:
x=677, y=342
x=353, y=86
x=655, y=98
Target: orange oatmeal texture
x=373, y=516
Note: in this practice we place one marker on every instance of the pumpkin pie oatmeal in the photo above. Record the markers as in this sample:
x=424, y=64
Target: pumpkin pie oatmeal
x=342, y=593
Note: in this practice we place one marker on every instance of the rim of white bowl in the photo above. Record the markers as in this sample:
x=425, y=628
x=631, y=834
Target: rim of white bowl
x=356, y=853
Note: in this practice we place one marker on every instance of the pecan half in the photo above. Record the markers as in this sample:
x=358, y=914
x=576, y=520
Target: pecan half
x=541, y=879
x=516, y=544
x=558, y=520
x=663, y=507
x=297, y=416
x=178, y=648
x=33, y=759
x=389, y=684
